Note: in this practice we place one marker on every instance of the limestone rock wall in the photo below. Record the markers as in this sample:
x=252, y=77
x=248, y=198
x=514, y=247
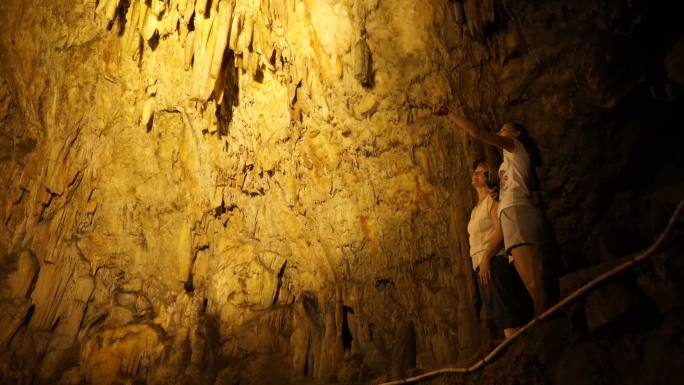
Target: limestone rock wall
x=197, y=190
x=203, y=189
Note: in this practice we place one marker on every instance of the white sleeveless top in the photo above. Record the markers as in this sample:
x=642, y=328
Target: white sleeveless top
x=480, y=229
x=514, y=178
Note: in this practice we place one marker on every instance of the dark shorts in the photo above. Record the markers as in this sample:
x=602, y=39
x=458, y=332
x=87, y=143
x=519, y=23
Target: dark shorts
x=504, y=297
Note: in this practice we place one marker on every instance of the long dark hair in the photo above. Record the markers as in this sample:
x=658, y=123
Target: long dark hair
x=529, y=143
x=535, y=160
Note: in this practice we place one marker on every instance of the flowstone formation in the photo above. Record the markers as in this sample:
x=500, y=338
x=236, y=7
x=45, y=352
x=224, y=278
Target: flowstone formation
x=229, y=192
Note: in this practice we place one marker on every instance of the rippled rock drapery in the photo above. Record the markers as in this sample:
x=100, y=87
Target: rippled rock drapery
x=197, y=190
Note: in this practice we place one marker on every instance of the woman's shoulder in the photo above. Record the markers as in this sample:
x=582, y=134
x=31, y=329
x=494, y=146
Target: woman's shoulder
x=519, y=151
x=519, y=146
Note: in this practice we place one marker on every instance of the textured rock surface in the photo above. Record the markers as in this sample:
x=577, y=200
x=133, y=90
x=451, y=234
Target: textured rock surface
x=198, y=190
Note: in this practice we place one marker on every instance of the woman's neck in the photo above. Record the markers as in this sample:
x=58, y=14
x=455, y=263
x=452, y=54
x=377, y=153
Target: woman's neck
x=482, y=193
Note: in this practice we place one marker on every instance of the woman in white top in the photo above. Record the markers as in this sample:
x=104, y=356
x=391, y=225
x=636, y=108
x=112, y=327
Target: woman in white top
x=502, y=293
x=521, y=222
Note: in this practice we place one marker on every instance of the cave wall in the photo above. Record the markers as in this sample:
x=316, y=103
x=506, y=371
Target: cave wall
x=293, y=206
x=198, y=190
x=598, y=87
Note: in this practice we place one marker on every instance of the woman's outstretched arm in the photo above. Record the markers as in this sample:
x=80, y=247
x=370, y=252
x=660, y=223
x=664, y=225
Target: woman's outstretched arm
x=483, y=135
x=472, y=130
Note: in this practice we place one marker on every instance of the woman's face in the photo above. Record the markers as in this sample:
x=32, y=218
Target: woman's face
x=508, y=131
x=479, y=177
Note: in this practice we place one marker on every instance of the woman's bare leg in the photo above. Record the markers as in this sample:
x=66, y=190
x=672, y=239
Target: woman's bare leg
x=528, y=263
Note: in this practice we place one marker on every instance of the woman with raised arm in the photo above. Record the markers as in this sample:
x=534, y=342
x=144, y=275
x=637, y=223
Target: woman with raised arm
x=521, y=221
x=503, y=295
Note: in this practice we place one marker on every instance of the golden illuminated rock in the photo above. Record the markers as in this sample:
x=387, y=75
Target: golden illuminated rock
x=196, y=190
x=229, y=146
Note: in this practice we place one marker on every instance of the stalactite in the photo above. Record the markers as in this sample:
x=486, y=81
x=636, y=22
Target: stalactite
x=245, y=38
x=258, y=35
x=186, y=11
x=235, y=28
x=158, y=6
x=149, y=107
x=142, y=15
x=220, y=84
x=363, y=62
x=50, y=294
x=108, y=7
x=201, y=7
x=150, y=24
x=131, y=35
x=205, y=40
x=323, y=131
x=182, y=5
x=225, y=14
x=189, y=50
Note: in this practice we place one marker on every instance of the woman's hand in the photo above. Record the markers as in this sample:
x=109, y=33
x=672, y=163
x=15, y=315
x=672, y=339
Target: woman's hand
x=439, y=110
x=485, y=274
x=494, y=193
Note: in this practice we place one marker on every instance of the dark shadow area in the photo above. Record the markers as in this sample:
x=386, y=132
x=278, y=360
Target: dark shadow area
x=154, y=41
x=346, y=333
x=120, y=17
x=231, y=94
